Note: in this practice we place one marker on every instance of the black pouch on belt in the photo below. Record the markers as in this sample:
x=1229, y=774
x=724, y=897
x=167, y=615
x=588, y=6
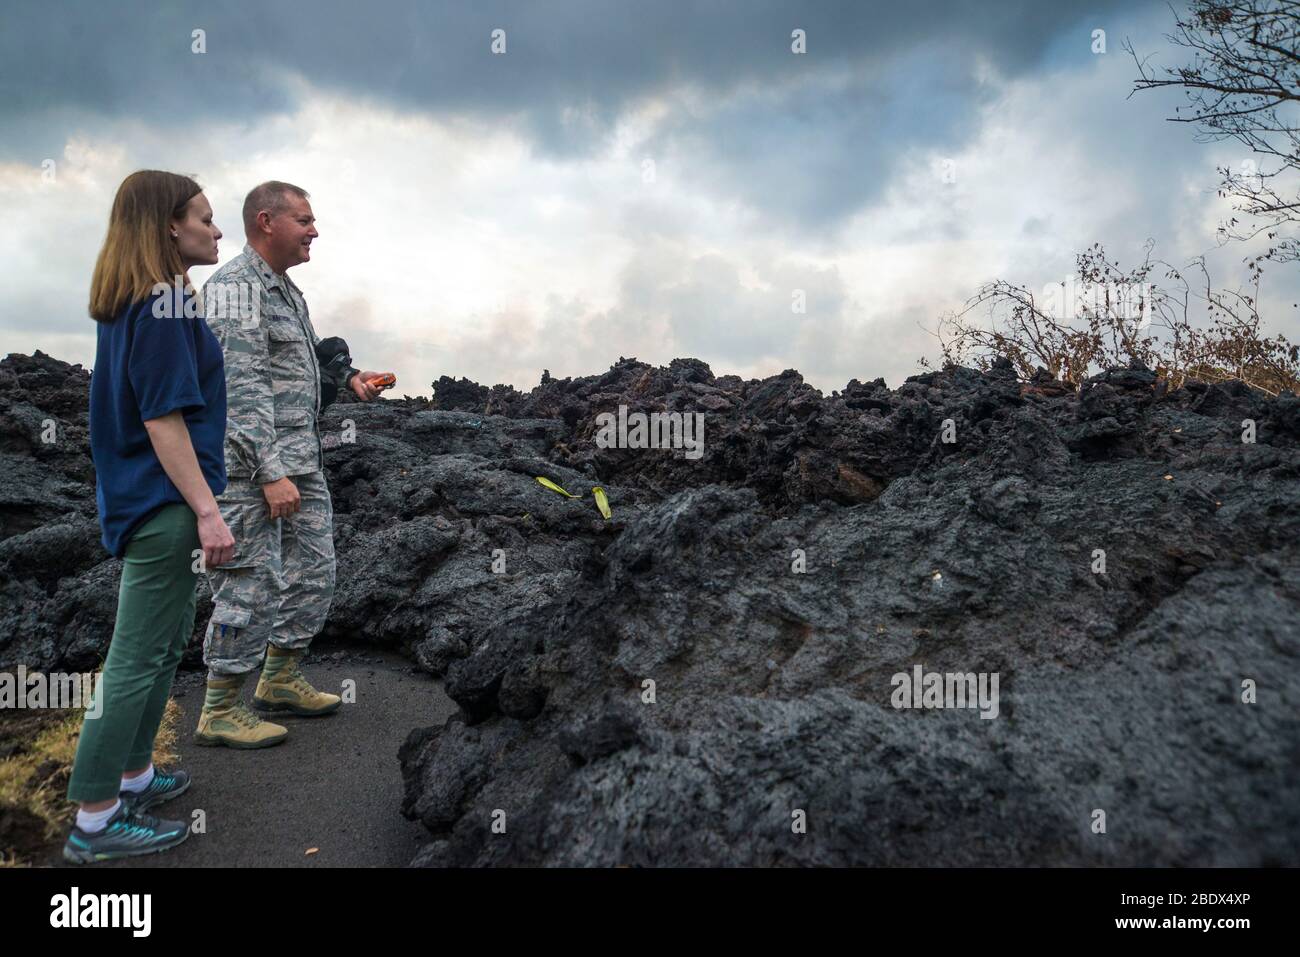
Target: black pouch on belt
x=334, y=360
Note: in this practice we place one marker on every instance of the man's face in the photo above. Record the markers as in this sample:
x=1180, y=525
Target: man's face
x=292, y=232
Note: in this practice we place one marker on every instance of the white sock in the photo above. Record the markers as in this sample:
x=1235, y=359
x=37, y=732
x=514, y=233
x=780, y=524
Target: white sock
x=140, y=782
x=92, y=822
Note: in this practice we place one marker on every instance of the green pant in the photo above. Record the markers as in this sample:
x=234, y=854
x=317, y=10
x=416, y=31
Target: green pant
x=155, y=619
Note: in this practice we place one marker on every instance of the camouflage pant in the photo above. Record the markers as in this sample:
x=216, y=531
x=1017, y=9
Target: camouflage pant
x=279, y=585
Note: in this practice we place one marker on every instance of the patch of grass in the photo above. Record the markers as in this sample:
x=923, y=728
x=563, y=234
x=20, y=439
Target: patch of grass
x=165, y=754
x=39, y=748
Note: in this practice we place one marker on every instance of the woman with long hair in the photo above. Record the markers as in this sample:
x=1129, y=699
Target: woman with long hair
x=157, y=431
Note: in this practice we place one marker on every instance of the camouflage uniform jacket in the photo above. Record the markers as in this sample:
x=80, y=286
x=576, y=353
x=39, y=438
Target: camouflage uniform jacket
x=272, y=374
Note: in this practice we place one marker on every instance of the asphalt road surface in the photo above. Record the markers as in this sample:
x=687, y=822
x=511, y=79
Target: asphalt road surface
x=334, y=784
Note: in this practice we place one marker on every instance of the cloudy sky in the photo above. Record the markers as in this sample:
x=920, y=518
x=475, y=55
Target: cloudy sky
x=626, y=179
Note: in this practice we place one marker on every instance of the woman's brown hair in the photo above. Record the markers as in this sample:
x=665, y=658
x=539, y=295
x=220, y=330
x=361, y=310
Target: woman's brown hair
x=137, y=253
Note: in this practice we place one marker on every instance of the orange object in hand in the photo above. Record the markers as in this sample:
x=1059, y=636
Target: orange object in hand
x=383, y=380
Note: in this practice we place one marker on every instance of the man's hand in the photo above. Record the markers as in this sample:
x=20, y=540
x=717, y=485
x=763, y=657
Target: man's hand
x=362, y=387
x=282, y=495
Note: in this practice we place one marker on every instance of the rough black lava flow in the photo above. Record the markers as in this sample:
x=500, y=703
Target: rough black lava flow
x=1120, y=691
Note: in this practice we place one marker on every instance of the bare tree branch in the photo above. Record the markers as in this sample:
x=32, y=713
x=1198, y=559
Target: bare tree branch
x=1243, y=83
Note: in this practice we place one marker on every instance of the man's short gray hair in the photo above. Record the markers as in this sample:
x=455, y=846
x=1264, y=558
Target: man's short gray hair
x=270, y=196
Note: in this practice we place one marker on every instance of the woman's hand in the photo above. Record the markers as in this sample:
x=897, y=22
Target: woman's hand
x=171, y=443
x=217, y=542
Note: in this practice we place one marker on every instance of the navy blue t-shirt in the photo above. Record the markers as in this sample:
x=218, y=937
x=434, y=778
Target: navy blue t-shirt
x=145, y=367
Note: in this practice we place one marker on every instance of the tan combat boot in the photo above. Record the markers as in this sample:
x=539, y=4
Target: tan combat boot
x=227, y=720
x=283, y=687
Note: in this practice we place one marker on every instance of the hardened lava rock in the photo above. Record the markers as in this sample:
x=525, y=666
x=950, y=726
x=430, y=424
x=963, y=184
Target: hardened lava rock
x=708, y=677
x=717, y=683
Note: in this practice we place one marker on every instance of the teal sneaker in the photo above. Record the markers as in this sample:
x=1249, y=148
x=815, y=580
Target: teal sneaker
x=128, y=833
x=163, y=787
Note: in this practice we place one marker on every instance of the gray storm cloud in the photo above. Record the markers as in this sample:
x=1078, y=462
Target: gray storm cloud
x=513, y=183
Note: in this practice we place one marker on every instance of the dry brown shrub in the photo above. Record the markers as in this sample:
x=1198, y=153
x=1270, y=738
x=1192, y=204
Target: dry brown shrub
x=1108, y=318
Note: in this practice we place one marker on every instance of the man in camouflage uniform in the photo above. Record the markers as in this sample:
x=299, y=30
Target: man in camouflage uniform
x=273, y=596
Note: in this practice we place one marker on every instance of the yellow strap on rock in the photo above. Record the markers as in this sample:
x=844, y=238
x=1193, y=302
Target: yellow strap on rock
x=547, y=483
